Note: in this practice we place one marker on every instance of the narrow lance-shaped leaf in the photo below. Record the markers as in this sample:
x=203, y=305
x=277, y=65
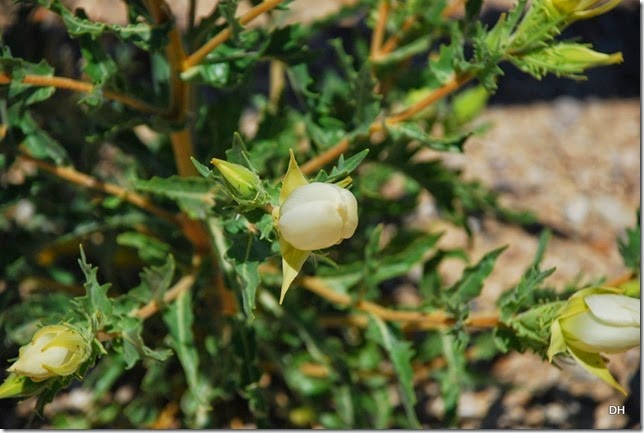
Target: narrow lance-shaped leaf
x=248, y=272
x=400, y=353
x=179, y=319
x=95, y=302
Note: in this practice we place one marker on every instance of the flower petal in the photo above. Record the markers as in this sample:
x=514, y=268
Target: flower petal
x=313, y=226
x=587, y=333
x=616, y=310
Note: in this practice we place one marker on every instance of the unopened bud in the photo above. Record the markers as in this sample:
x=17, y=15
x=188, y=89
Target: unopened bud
x=318, y=215
x=55, y=350
x=244, y=184
x=573, y=10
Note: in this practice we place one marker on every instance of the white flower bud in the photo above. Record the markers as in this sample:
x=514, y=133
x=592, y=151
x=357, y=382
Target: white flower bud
x=318, y=215
x=55, y=350
x=610, y=325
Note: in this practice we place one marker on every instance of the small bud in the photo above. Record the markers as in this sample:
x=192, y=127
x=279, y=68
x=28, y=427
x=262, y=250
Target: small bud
x=573, y=10
x=244, y=184
x=581, y=55
x=566, y=59
x=318, y=215
x=55, y=350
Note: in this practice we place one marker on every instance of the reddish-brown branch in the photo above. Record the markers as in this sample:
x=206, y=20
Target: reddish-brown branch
x=70, y=174
x=83, y=87
x=221, y=37
x=379, y=29
x=411, y=319
x=393, y=41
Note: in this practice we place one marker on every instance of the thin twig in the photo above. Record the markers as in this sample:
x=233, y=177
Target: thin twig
x=451, y=85
x=221, y=37
x=393, y=41
x=180, y=91
x=70, y=174
x=413, y=319
x=328, y=156
x=184, y=284
x=379, y=29
x=83, y=87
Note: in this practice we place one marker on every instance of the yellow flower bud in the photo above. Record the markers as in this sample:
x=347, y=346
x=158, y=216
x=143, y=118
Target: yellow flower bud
x=55, y=350
x=594, y=321
x=318, y=215
x=244, y=183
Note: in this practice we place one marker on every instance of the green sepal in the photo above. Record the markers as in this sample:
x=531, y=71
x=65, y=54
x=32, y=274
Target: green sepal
x=292, y=261
x=20, y=386
x=294, y=178
x=595, y=365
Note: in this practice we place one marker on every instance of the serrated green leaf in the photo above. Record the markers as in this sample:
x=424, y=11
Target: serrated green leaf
x=146, y=36
x=400, y=353
x=134, y=349
x=523, y=294
x=229, y=65
x=343, y=168
x=394, y=264
x=471, y=282
x=156, y=280
x=442, y=69
x=17, y=68
x=412, y=131
x=94, y=303
x=405, y=251
x=39, y=143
